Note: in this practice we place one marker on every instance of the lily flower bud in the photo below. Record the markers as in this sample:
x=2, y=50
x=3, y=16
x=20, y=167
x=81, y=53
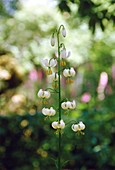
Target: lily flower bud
x=52, y=40
x=64, y=32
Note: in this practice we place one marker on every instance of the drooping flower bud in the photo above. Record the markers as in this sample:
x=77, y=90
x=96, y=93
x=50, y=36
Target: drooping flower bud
x=52, y=40
x=64, y=32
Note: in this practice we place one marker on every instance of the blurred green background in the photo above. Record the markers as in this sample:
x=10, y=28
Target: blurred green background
x=27, y=141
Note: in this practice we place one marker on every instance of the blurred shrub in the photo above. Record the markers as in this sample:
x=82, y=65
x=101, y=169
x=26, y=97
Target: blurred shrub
x=11, y=74
x=28, y=142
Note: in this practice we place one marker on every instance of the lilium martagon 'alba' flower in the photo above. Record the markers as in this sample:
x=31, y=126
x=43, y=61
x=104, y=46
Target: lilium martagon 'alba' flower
x=53, y=77
x=64, y=32
x=49, y=64
x=48, y=112
x=58, y=125
x=69, y=72
x=43, y=94
x=68, y=105
x=78, y=127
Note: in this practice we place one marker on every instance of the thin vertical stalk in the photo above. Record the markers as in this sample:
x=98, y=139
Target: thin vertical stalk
x=59, y=100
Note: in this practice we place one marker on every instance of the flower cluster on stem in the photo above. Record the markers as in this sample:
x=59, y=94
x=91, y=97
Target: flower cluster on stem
x=55, y=77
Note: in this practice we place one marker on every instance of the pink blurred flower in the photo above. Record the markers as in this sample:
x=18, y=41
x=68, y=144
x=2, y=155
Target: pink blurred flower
x=103, y=79
x=33, y=75
x=86, y=97
x=102, y=82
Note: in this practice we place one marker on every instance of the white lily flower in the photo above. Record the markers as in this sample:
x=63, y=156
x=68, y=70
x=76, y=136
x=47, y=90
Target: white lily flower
x=64, y=54
x=52, y=41
x=58, y=125
x=68, y=105
x=78, y=127
x=49, y=63
x=48, y=112
x=43, y=94
x=69, y=72
x=53, y=77
x=64, y=32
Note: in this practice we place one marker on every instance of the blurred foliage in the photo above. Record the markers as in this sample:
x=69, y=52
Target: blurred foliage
x=28, y=142
x=8, y=7
x=96, y=12
x=10, y=73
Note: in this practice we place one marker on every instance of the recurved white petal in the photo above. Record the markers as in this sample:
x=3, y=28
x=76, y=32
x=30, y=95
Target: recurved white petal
x=63, y=53
x=75, y=127
x=45, y=63
x=40, y=93
x=53, y=62
x=82, y=126
x=55, y=125
x=47, y=94
x=72, y=72
x=64, y=106
x=52, y=111
x=62, y=124
x=68, y=103
x=45, y=111
x=65, y=73
x=73, y=104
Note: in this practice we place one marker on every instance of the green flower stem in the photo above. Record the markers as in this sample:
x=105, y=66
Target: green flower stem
x=59, y=70
x=59, y=97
